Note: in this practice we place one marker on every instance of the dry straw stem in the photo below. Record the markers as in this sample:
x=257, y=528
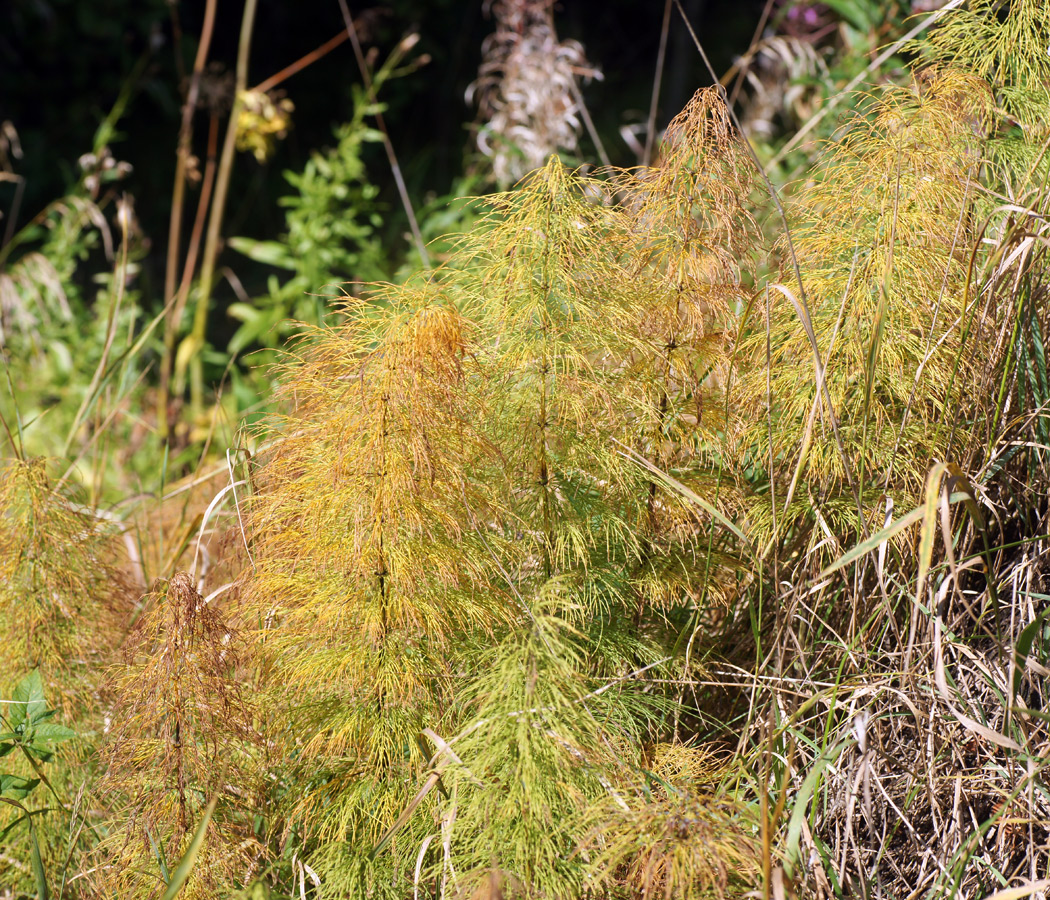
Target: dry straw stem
x=182, y=733
x=371, y=573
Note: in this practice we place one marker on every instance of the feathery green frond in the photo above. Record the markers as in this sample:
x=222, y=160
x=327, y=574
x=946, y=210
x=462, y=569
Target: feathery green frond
x=373, y=552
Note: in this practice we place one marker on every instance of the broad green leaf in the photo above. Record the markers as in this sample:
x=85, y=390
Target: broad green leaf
x=52, y=734
x=39, y=875
x=16, y=786
x=858, y=14
x=28, y=699
x=42, y=753
x=38, y=863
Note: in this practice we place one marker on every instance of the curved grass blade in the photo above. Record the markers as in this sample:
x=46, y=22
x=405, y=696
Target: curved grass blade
x=39, y=875
x=685, y=492
x=875, y=541
x=185, y=866
x=805, y=794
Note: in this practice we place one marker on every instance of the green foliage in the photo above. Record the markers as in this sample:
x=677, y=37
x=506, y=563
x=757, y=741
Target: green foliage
x=73, y=358
x=370, y=573
x=26, y=716
x=332, y=222
x=452, y=473
x=547, y=589
x=29, y=730
x=553, y=320
x=334, y=226
x=1004, y=45
x=539, y=753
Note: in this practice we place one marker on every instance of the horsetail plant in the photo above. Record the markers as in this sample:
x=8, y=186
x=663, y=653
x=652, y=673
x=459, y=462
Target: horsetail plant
x=181, y=734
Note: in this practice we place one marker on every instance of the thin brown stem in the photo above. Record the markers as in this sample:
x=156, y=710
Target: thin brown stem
x=190, y=266
x=178, y=197
x=661, y=56
x=741, y=69
x=301, y=63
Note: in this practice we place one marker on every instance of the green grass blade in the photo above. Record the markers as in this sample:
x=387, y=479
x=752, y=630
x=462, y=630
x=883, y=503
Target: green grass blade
x=185, y=866
x=1023, y=648
x=802, y=798
x=875, y=541
x=39, y=875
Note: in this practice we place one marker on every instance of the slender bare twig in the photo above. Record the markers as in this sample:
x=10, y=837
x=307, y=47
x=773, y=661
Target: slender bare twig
x=391, y=156
x=661, y=56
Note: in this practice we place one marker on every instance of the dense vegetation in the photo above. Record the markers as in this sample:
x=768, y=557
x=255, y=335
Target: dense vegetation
x=667, y=531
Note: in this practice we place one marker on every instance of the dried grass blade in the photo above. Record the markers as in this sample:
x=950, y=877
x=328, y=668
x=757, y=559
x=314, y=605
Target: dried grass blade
x=1025, y=890
x=875, y=542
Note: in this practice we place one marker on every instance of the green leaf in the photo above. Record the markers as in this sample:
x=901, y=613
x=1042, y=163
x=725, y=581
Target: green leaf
x=182, y=871
x=1023, y=648
x=41, y=753
x=52, y=734
x=16, y=786
x=853, y=12
x=158, y=852
x=39, y=875
x=802, y=798
x=272, y=253
x=28, y=699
